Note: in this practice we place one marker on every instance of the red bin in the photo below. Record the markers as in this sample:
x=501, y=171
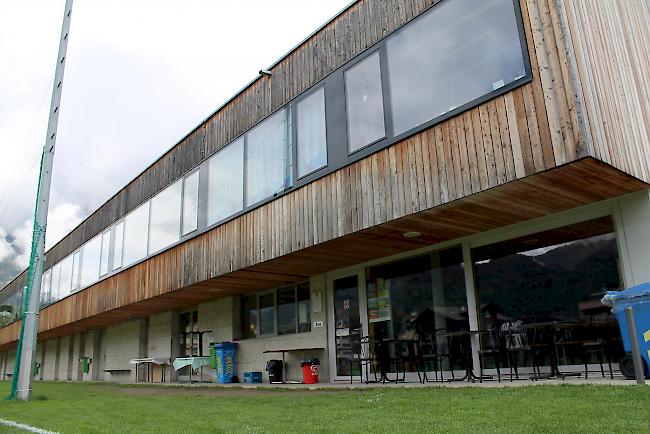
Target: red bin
x=310, y=371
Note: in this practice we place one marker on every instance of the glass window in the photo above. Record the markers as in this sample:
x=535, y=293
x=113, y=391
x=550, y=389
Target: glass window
x=45, y=287
x=191, y=202
x=267, y=317
x=165, y=223
x=54, y=284
x=103, y=264
x=226, y=182
x=312, y=137
x=118, y=241
x=65, y=280
x=268, y=158
x=457, y=52
x=304, y=307
x=249, y=316
x=417, y=297
x=364, y=103
x=135, y=235
x=76, y=262
x=287, y=310
x=90, y=263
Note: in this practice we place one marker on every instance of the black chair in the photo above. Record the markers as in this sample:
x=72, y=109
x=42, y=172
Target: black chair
x=596, y=342
x=428, y=355
x=491, y=348
x=516, y=343
x=363, y=355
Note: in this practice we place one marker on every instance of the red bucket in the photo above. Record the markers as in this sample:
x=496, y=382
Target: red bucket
x=309, y=373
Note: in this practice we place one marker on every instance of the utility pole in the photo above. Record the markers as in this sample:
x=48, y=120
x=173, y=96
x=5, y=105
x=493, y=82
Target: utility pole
x=22, y=379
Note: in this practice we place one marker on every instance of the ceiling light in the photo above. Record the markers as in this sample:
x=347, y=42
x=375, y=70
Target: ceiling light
x=411, y=234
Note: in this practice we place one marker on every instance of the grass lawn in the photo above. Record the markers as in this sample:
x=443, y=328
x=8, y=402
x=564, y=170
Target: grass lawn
x=110, y=408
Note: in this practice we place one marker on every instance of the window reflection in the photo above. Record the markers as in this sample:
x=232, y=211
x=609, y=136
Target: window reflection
x=452, y=55
x=312, y=137
x=118, y=244
x=165, y=217
x=190, y=203
x=268, y=158
x=226, y=182
x=364, y=103
x=90, y=263
x=136, y=234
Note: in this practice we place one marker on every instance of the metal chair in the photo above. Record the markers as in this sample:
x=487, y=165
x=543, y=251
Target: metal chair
x=363, y=355
x=428, y=354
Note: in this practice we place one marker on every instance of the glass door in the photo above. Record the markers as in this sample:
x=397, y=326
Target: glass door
x=347, y=324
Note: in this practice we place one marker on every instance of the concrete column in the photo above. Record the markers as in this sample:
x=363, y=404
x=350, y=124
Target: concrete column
x=82, y=350
x=96, y=359
x=70, y=357
x=41, y=374
x=57, y=360
x=632, y=219
x=143, y=334
x=174, y=344
x=2, y=365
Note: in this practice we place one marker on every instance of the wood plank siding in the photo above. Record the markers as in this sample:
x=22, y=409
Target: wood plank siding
x=479, y=170
x=611, y=45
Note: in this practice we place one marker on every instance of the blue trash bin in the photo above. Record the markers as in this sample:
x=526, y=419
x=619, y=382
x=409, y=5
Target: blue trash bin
x=638, y=298
x=226, y=365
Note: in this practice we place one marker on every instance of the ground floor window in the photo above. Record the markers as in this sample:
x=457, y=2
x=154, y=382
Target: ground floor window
x=557, y=276
x=281, y=311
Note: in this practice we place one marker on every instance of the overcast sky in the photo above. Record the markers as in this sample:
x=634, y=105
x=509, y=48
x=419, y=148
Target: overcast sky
x=140, y=74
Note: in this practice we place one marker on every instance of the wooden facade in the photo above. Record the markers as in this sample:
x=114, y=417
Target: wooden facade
x=487, y=167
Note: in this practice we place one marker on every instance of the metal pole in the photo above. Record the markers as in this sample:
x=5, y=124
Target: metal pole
x=30, y=326
x=636, y=351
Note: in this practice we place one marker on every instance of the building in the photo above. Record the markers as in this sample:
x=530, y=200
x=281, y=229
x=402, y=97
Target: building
x=411, y=161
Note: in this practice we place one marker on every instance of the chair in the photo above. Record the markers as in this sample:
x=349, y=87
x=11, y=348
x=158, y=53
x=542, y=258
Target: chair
x=363, y=354
x=428, y=354
x=494, y=349
x=515, y=342
x=595, y=342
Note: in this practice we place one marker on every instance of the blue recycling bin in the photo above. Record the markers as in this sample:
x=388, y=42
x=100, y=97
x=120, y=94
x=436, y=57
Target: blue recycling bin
x=225, y=361
x=638, y=298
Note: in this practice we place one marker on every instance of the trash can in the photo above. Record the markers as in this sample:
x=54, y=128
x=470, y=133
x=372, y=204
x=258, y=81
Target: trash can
x=638, y=298
x=310, y=371
x=225, y=361
x=274, y=368
x=254, y=377
x=85, y=364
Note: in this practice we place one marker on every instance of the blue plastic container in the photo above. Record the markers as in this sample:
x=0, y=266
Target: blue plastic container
x=252, y=377
x=638, y=298
x=225, y=365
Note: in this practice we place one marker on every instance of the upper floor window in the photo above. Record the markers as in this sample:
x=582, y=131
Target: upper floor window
x=118, y=243
x=457, y=52
x=226, y=182
x=65, y=280
x=90, y=263
x=103, y=263
x=268, y=158
x=364, y=103
x=312, y=137
x=136, y=231
x=190, y=203
x=165, y=223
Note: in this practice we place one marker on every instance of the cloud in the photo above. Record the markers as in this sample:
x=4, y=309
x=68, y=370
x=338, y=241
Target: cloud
x=16, y=246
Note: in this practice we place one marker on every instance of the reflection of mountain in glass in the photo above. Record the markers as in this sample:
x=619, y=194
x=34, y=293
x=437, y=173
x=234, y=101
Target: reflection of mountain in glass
x=550, y=285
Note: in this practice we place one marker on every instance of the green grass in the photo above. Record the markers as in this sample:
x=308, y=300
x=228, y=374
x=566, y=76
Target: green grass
x=110, y=408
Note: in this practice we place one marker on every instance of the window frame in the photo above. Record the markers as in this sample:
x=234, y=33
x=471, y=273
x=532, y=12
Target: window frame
x=294, y=131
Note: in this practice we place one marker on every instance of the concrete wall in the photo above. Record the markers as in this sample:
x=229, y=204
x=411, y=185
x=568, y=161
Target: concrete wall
x=633, y=232
x=50, y=360
x=119, y=344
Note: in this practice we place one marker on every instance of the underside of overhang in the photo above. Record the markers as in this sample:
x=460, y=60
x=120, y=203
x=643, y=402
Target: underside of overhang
x=573, y=185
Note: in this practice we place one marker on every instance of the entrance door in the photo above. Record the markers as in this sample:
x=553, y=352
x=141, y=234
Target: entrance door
x=347, y=325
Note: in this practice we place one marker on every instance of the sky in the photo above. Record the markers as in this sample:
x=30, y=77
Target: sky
x=140, y=75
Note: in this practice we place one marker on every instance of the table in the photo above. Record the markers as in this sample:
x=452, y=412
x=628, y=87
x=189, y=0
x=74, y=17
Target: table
x=469, y=365
x=148, y=361
x=383, y=352
x=195, y=362
x=284, y=364
x=555, y=326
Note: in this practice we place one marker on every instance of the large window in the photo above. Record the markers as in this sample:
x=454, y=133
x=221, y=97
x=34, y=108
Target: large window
x=165, y=223
x=135, y=235
x=103, y=263
x=365, y=104
x=452, y=55
x=90, y=263
x=312, y=137
x=190, y=203
x=45, y=287
x=54, y=283
x=226, y=182
x=118, y=244
x=268, y=158
x=283, y=311
x=65, y=281
x=76, y=263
